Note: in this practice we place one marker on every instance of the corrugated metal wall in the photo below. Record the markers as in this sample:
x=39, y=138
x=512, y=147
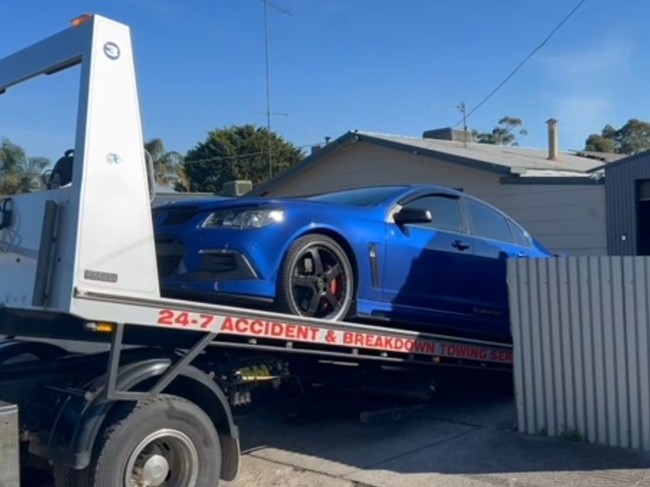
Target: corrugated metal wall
x=620, y=202
x=581, y=330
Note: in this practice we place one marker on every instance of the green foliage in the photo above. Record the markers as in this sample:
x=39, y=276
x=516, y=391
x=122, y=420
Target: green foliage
x=573, y=434
x=631, y=138
x=19, y=173
x=505, y=133
x=237, y=152
x=168, y=165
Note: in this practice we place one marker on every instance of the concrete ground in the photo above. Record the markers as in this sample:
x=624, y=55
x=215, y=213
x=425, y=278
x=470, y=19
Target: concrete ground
x=465, y=438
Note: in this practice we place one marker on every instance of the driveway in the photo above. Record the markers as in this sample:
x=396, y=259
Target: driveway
x=465, y=438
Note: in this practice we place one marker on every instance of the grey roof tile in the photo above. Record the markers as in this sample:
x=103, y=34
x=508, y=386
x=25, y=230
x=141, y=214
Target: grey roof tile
x=519, y=159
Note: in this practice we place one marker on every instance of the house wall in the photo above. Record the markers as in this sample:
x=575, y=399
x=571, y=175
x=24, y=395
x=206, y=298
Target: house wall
x=362, y=164
x=566, y=218
x=621, y=199
x=569, y=219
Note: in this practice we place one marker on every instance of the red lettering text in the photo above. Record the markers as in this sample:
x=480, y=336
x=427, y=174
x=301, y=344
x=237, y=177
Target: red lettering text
x=270, y=329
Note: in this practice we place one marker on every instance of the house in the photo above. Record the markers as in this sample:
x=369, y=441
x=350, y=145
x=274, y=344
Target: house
x=558, y=196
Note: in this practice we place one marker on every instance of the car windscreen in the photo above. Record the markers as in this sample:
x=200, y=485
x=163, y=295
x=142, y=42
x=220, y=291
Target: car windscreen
x=360, y=196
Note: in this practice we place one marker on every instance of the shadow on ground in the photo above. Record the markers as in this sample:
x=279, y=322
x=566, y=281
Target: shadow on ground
x=469, y=429
x=465, y=437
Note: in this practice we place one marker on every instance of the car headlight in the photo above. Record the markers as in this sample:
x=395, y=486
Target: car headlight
x=243, y=218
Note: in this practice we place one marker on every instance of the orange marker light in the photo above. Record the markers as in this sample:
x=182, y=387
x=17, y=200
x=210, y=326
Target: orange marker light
x=99, y=327
x=104, y=327
x=82, y=19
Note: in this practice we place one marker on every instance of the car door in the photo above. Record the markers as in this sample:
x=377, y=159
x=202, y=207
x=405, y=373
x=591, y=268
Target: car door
x=495, y=238
x=427, y=265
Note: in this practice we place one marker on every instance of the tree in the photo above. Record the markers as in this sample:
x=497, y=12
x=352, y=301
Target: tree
x=237, y=152
x=503, y=133
x=603, y=142
x=631, y=138
x=168, y=169
x=19, y=173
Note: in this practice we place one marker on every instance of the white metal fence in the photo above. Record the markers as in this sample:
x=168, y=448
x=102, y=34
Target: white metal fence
x=581, y=330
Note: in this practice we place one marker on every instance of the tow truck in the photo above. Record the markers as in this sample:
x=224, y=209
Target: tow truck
x=155, y=404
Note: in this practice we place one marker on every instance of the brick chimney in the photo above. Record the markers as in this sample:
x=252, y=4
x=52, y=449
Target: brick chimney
x=553, y=150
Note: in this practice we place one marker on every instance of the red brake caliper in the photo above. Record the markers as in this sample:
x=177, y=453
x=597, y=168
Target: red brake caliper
x=333, y=287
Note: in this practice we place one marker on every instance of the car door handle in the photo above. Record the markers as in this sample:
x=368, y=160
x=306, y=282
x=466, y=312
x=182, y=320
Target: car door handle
x=460, y=245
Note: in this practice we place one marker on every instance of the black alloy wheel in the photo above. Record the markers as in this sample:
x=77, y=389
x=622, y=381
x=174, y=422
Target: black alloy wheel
x=316, y=279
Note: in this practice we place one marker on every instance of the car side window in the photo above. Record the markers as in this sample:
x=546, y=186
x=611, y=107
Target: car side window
x=520, y=236
x=487, y=223
x=445, y=211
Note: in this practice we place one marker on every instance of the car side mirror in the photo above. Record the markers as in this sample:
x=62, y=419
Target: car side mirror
x=413, y=215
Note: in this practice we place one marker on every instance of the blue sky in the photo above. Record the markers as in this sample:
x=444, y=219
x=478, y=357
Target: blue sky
x=390, y=66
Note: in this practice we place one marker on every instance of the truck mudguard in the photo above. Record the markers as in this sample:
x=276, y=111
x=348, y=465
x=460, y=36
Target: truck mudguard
x=79, y=415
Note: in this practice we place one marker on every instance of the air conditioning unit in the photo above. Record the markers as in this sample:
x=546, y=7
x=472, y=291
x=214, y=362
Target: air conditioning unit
x=237, y=187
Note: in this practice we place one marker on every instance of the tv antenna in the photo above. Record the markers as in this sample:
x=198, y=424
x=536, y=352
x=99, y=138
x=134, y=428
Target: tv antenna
x=285, y=11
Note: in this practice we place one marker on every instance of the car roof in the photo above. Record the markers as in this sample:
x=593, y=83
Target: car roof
x=411, y=187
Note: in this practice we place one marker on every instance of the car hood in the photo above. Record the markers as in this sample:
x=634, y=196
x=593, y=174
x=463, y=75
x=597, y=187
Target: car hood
x=256, y=202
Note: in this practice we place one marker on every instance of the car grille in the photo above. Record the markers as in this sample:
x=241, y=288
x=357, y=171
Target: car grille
x=174, y=216
x=169, y=253
x=167, y=265
x=218, y=263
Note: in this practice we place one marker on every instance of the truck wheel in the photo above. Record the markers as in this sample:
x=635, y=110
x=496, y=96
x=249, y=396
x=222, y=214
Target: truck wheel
x=167, y=441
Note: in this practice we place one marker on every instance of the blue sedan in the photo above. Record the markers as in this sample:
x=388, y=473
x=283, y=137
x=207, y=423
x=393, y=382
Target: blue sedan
x=418, y=256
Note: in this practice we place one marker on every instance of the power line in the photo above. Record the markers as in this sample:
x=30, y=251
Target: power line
x=532, y=53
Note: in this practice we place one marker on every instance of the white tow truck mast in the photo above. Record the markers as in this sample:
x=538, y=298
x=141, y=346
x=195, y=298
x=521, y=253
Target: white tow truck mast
x=79, y=262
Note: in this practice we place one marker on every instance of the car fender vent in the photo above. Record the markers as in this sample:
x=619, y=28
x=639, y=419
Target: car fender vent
x=374, y=264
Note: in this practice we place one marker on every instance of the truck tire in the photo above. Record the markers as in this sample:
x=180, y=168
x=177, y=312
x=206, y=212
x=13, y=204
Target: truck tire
x=167, y=441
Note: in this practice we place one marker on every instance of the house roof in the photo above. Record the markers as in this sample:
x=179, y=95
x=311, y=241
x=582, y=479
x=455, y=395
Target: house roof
x=506, y=160
x=624, y=159
x=517, y=158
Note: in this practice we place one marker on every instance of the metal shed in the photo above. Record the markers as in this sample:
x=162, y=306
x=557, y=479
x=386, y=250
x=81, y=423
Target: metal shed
x=627, y=201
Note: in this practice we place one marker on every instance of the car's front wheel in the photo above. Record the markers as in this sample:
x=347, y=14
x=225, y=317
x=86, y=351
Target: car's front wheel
x=316, y=279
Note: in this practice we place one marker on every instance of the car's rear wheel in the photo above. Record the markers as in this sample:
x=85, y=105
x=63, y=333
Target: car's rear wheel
x=316, y=279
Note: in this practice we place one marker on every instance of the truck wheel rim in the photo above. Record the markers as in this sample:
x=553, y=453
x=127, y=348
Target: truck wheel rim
x=165, y=458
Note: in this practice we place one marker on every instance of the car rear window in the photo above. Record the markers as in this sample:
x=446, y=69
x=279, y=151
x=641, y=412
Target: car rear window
x=487, y=223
